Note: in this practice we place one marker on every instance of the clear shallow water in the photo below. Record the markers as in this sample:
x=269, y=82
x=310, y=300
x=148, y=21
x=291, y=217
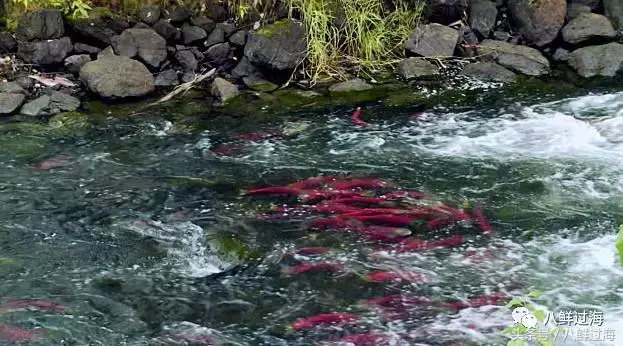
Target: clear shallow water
x=126, y=235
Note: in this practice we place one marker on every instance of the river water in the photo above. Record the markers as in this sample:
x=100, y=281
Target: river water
x=141, y=234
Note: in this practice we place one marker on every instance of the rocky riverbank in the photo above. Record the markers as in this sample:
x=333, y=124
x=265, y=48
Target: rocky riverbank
x=51, y=64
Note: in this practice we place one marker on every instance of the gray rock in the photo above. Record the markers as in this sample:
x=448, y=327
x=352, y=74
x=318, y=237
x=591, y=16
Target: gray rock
x=561, y=54
x=167, y=78
x=239, y=38
x=522, y=59
x=489, y=71
x=411, y=68
x=592, y=4
x=204, y=22
x=37, y=107
x=149, y=14
x=61, y=102
x=279, y=46
x=216, y=36
x=192, y=33
x=108, y=51
x=74, y=63
x=188, y=76
x=433, y=40
x=179, y=15
x=96, y=30
x=82, y=48
x=224, y=90
x=538, y=22
x=44, y=52
x=587, y=26
x=501, y=35
x=218, y=54
x=8, y=44
x=614, y=11
x=141, y=25
x=218, y=12
x=228, y=28
x=40, y=25
x=25, y=82
x=11, y=87
x=574, y=10
x=244, y=69
x=482, y=17
x=350, y=85
x=603, y=60
x=197, y=53
x=9, y=102
x=144, y=43
x=187, y=60
x=257, y=83
x=117, y=76
x=169, y=32
x=445, y=11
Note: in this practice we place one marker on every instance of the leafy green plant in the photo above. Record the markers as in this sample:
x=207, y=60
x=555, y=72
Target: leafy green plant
x=619, y=245
x=75, y=8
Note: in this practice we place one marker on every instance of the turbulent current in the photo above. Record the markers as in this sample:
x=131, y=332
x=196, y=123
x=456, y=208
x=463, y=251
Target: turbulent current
x=138, y=230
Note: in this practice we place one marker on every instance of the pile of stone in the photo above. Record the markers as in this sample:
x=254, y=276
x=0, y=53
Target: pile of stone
x=115, y=58
x=506, y=38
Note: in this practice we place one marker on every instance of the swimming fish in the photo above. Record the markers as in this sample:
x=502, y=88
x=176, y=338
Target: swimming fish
x=355, y=118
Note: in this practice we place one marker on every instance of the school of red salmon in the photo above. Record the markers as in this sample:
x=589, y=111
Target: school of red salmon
x=392, y=221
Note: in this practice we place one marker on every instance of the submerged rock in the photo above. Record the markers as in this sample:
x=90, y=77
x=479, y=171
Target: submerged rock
x=416, y=67
x=588, y=26
x=522, y=59
x=256, y=83
x=538, y=21
x=489, y=71
x=482, y=17
x=433, y=40
x=40, y=25
x=117, y=76
x=603, y=60
x=279, y=46
x=144, y=43
x=10, y=102
x=44, y=52
x=350, y=85
x=224, y=90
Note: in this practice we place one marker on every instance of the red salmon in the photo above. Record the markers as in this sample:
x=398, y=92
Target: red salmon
x=31, y=304
x=333, y=318
x=394, y=220
x=59, y=161
x=12, y=333
x=355, y=118
x=482, y=221
x=383, y=276
x=313, y=182
x=412, y=245
x=360, y=184
x=310, y=251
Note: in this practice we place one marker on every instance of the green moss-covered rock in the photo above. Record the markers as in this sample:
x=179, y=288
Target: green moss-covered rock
x=279, y=46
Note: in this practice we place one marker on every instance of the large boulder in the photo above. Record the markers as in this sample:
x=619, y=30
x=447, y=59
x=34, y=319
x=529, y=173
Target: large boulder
x=445, y=11
x=522, y=59
x=433, y=40
x=144, y=43
x=614, y=11
x=538, y=21
x=9, y=102
x=411, y=68
x=40, y=25
x=113, y=76
x=482, y=17
x=44, y=52
x=279, y=46
x=218, y=54
x=603, y=60
x=244, y=69
x=588, y=26
x=489, y=72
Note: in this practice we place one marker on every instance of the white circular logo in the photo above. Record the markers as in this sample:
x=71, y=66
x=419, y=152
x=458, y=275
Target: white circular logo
x=525, y=317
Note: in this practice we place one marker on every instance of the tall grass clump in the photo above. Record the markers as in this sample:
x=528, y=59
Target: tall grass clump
x=360, y=35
